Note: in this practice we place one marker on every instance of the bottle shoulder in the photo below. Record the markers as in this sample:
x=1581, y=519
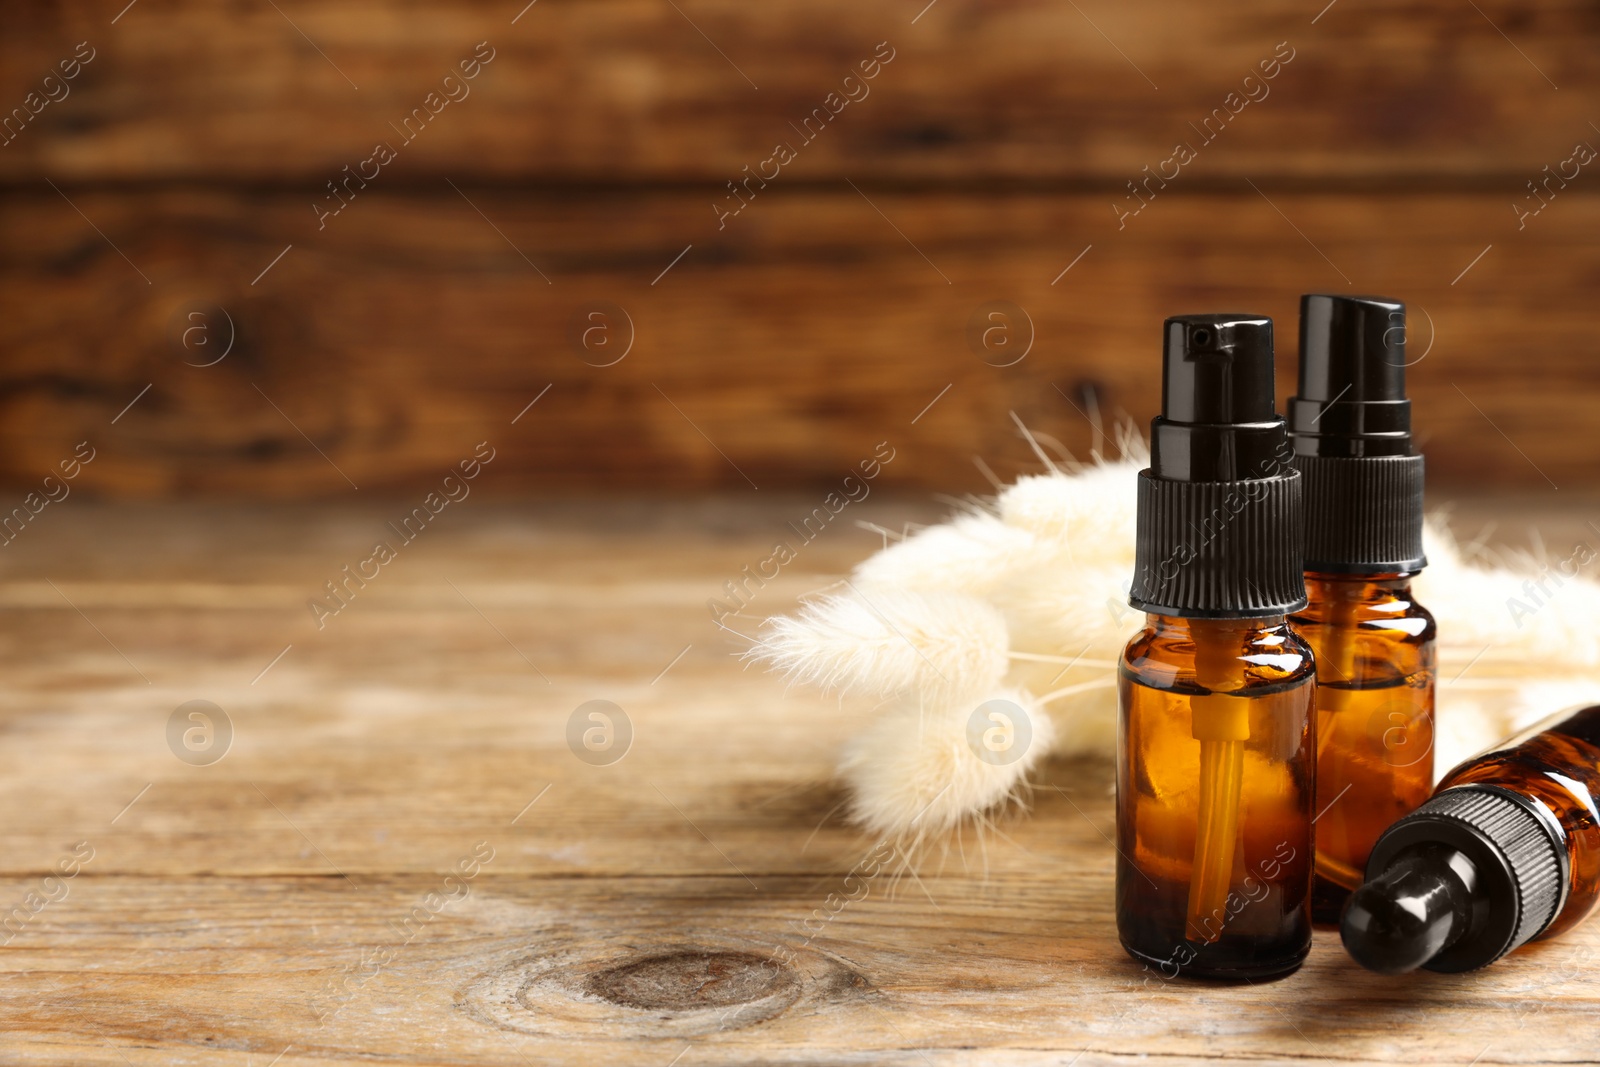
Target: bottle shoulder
x=1561, y=770
x=1269, y=656
x=1368, y=607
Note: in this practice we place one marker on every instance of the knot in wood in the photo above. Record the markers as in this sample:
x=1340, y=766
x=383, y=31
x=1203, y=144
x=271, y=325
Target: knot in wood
x=686, y=980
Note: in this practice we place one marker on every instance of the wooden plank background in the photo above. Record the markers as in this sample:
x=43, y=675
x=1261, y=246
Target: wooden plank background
x=780, y=348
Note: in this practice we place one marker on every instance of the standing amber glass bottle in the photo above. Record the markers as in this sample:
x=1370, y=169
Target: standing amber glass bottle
x=1351, y=427
x=1507, y=850
x=1215, y=772
x=1375, y=662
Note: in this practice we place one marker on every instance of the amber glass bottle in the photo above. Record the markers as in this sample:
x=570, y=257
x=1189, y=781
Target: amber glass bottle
x=1351, y=426
x=1374, y=649
x=1215, y=773
x=1507, y=850
x=1246, y=916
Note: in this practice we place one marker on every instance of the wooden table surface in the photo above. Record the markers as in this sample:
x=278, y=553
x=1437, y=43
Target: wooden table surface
x=400, y=859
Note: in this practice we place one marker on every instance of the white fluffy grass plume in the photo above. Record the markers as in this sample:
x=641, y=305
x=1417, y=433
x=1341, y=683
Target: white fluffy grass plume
x=918, y=771
x=1087, y=517
x=889, y=642
x=969, y=554
x=1026, y=595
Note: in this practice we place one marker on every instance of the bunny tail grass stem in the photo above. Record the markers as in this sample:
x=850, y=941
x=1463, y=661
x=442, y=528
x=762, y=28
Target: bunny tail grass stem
x=1034, y=444
x=1039, y=657
x=1081, y=687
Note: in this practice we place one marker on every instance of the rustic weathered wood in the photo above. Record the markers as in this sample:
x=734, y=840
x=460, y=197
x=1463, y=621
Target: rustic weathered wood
x=782, y=349
x=792, y=337
x=624, y=90
x=257, y=907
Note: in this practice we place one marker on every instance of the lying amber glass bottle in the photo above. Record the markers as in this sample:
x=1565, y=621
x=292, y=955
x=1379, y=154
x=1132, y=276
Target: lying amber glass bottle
x=1374, y=648
x=1213, y=709
x=1507, y=850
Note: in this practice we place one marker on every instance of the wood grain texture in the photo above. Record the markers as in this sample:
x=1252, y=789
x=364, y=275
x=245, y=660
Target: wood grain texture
x=258, y=907
x=630, y=90
x=380, y=350
x=188, y=166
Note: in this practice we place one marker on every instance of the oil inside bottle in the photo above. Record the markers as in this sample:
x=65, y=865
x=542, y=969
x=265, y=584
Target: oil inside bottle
x=1375, y=731
x=1261, y=925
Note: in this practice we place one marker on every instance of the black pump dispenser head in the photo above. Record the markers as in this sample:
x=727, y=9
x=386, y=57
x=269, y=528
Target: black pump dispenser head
x=1219, y=505
x=1217, y=369
x=1351, y=426
x=1217, y=421
x=1467, y=877
x=1352, y=398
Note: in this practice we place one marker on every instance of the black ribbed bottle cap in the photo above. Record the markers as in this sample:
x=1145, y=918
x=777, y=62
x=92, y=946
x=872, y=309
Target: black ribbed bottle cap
x=1470, y=875
x=1351, y=427
x=1219, y=506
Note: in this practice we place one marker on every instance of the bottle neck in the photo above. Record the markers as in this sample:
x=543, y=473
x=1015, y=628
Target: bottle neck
x=1178, y=626
x=1387, y=579
x=1357, y=589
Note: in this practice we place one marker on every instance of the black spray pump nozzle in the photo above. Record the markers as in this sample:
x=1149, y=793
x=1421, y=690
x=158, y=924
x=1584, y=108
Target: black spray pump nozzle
x=1219, y=508
x=1470, y=875
x=1217, y=369
x=1416, y=908
x=1352, y=395
x=1218, y=422
x=1350, y=423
